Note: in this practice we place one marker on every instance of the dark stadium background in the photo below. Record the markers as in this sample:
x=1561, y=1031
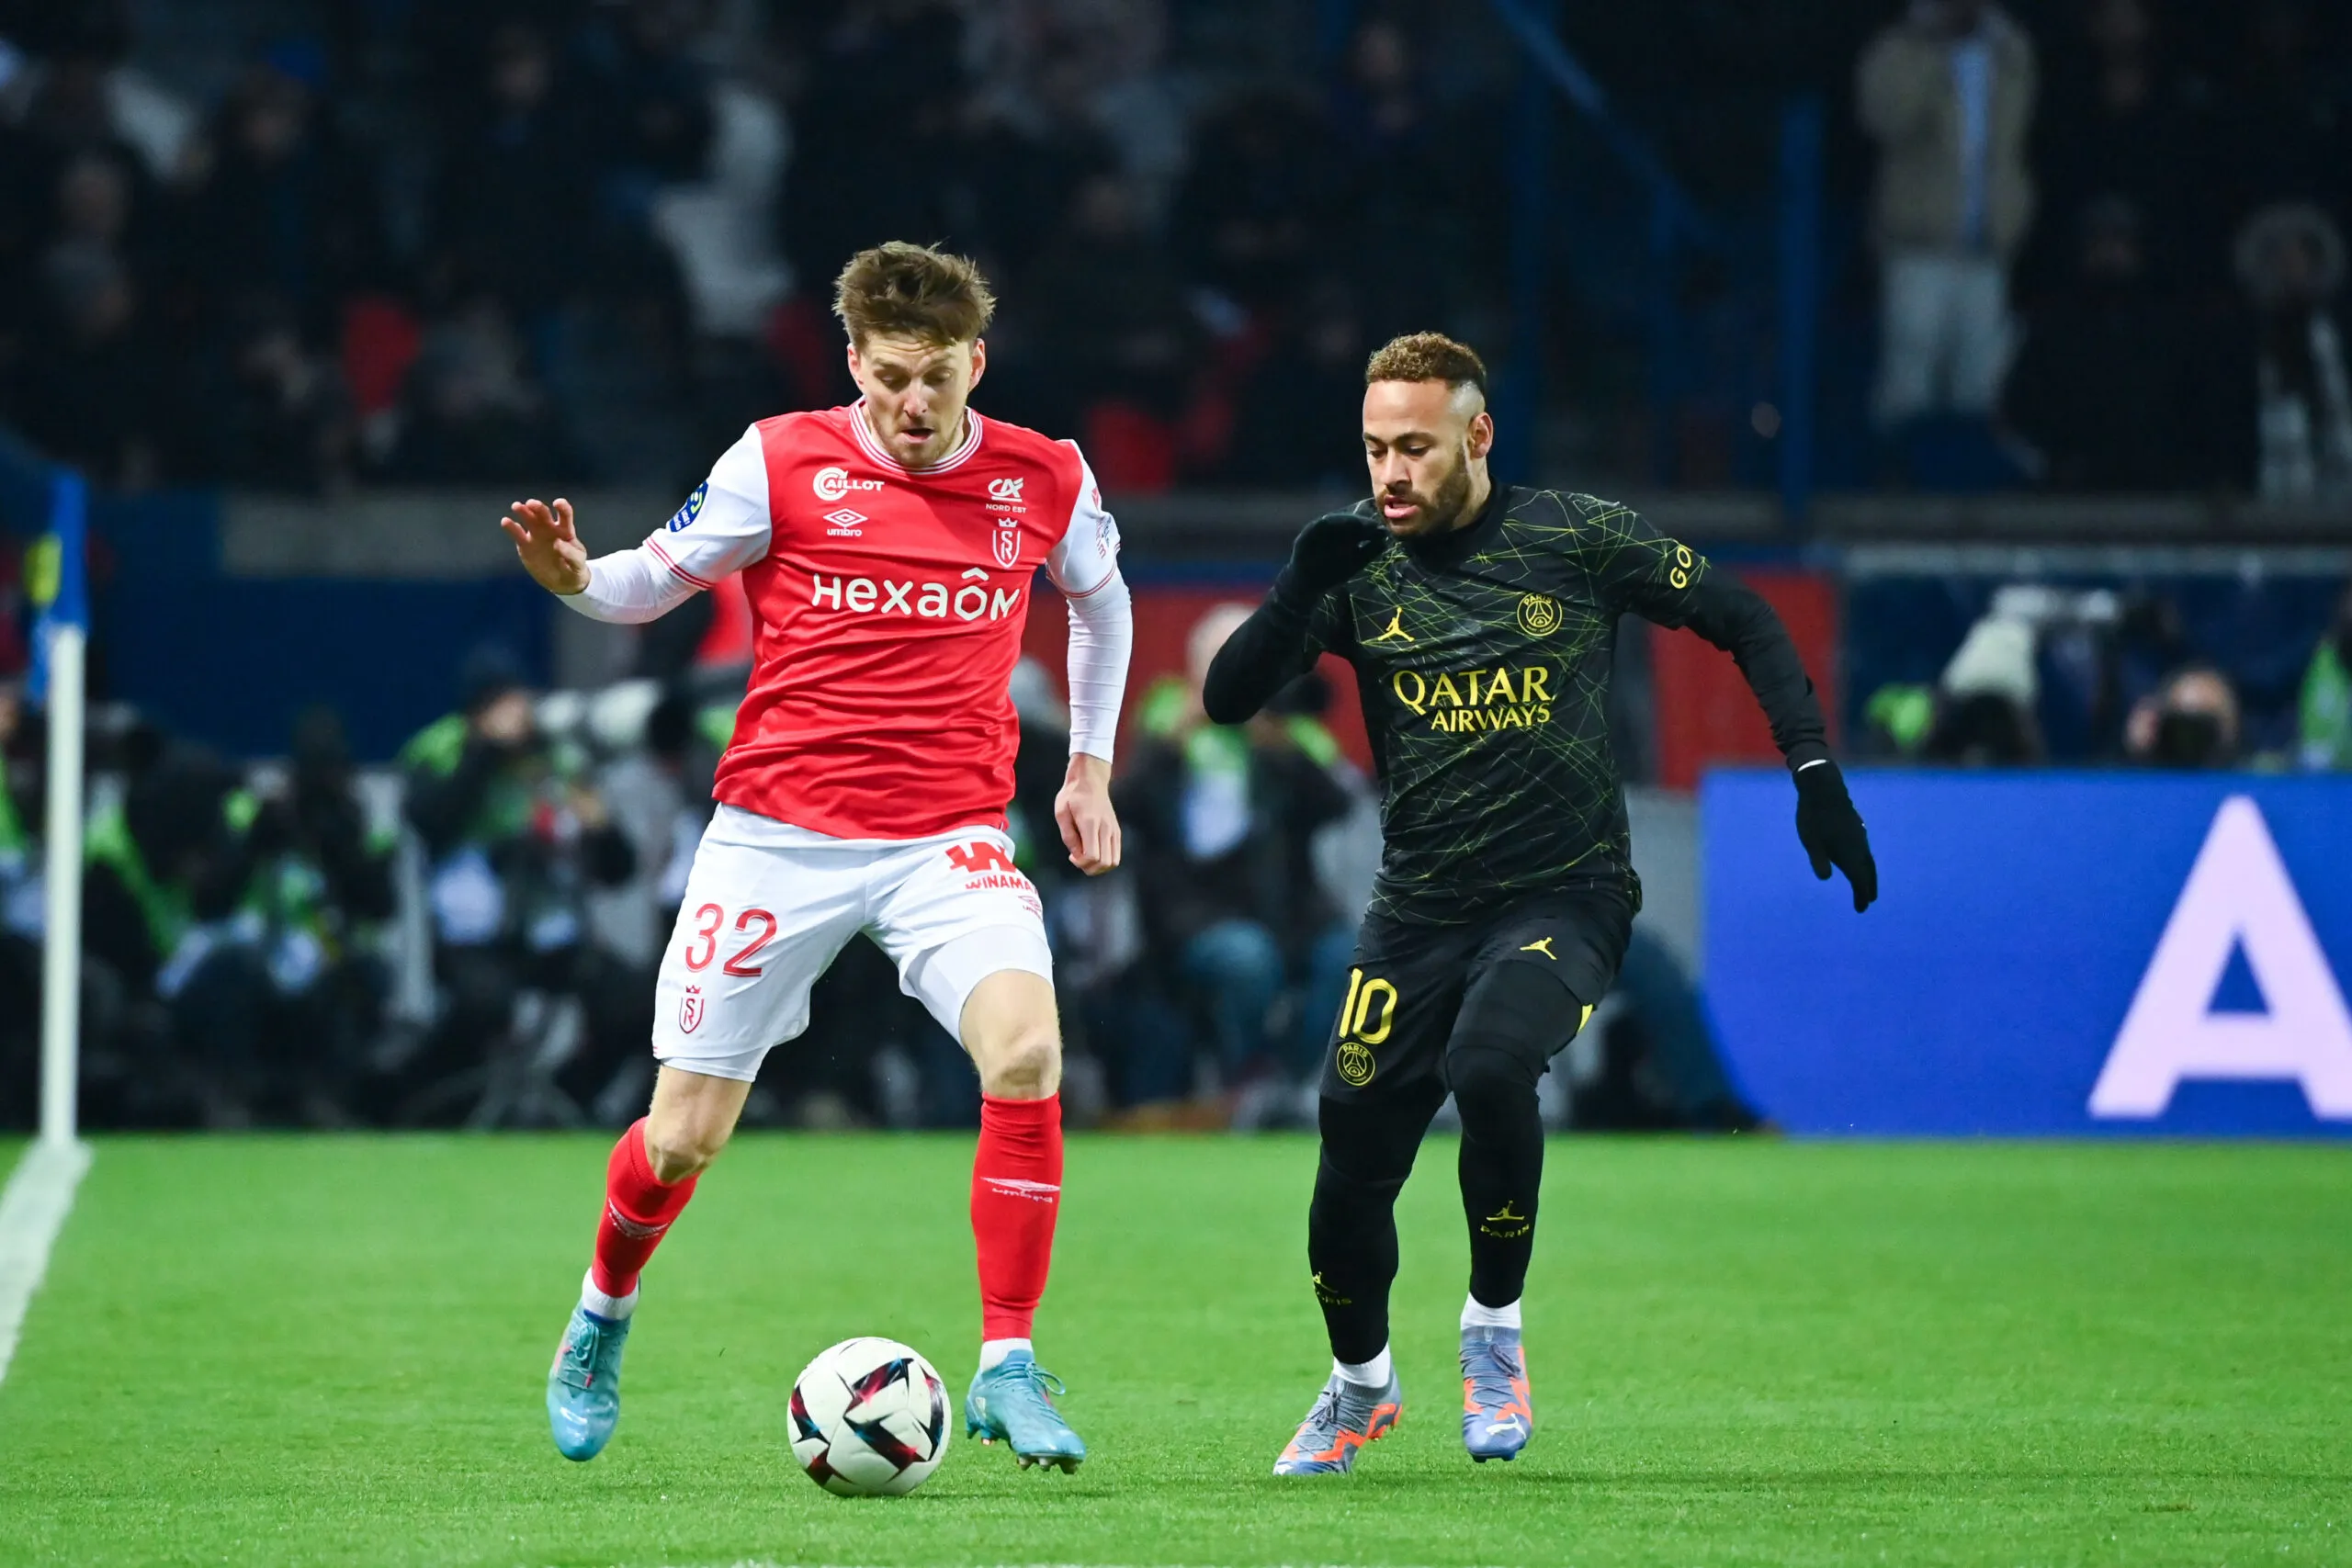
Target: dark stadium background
x=309, y=291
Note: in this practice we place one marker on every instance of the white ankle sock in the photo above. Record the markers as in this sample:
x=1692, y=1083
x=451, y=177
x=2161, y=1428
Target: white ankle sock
x=615, y=1308
x=1373, y=1373
x=993, y=1351
x=1474, y=1314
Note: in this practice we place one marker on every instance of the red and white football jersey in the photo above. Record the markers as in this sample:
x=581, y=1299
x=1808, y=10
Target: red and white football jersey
x=889, y=605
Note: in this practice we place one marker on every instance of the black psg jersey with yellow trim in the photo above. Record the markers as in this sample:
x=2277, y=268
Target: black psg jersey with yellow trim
x=1482, y=656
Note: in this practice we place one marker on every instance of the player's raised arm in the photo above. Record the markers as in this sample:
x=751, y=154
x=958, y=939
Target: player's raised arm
x=1664, y=581
x=1275, y=645
x=723, y=527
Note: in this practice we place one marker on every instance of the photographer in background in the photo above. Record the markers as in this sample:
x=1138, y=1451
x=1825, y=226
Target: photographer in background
x=2190, y=721
x=514, y=836
x=175, y=955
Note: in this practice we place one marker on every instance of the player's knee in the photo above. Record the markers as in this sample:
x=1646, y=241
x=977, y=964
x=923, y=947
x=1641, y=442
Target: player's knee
x=1491, y=1078
x=1025, y=1064
x=682, y=1146
x=1336, y=1184
x=1370, y=1145
x=1512, y=1021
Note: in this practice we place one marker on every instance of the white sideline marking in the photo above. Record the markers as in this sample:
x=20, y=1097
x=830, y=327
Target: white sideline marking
x=32, y=1211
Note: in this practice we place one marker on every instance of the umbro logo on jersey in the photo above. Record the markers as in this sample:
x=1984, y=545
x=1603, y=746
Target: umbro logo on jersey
x=844, y=521
x=1004, y=490
x=832, y=484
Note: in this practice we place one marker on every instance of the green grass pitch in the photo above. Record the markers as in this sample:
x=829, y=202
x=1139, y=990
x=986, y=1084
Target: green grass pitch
x=333, y=1350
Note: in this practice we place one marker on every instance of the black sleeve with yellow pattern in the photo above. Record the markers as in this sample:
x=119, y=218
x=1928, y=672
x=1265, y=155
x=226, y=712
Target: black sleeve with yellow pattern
x=1630, y=565
x=1635, y=567
x=1274, y=646
x=1331, y=628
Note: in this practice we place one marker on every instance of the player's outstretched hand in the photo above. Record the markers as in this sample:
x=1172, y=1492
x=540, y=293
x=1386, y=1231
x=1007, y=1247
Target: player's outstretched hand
x=1832, y=831
x=1083, y=811
x=1327, y=553
x=548, y=545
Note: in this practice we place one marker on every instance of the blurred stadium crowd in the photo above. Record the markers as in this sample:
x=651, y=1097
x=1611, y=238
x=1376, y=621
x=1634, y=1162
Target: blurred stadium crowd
x=286, y=244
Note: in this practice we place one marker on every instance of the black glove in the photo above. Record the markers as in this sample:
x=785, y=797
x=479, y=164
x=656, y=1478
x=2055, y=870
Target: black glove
x=1832, y=833
x=1328, y=551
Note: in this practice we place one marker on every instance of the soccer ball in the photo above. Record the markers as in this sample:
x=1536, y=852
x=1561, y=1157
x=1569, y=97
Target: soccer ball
x=869, y=1419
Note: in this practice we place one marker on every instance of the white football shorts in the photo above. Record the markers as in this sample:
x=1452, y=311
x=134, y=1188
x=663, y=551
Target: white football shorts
x=768, y=906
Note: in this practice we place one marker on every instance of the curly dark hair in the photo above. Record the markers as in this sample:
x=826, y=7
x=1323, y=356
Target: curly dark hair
x=1426, y=356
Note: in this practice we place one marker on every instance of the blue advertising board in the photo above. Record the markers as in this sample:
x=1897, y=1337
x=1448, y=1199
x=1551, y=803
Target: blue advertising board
x=2052, y=954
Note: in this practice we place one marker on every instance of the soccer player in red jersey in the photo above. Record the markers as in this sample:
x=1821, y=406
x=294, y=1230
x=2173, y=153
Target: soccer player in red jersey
x=888, y=550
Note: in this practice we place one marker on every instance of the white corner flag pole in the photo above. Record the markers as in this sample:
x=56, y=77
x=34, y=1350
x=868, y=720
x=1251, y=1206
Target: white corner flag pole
x=39, y=1192
x=61, y=645
x=60, y=967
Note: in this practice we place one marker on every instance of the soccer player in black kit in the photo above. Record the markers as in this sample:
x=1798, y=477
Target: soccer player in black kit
x=1481, y=621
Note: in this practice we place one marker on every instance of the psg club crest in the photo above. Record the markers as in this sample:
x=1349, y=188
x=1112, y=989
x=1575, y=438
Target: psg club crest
x=690, y=1010
x=1008, y=546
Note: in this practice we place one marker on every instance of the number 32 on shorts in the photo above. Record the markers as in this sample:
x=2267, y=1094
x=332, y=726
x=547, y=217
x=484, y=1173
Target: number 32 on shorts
x=704, y=946
x=1365, y=1019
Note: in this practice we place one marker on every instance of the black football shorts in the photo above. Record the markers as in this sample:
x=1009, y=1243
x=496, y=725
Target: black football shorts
x=1407, y=984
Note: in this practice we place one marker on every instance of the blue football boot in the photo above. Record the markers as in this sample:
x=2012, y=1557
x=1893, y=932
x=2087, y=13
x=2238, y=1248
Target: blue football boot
x=1497, y=1412
x=584, y=1384
x=1346, y=1417
x=1013, y=1401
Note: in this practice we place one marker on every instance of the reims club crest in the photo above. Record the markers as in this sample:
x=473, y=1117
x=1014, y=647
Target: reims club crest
x=1008, y=546
x=690, y=1010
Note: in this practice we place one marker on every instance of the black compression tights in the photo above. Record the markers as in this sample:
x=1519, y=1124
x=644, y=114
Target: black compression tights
x=1512, y=1021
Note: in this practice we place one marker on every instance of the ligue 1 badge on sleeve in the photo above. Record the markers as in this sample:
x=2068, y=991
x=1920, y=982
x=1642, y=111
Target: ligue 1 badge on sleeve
x=690, y=1010
x=684, y=516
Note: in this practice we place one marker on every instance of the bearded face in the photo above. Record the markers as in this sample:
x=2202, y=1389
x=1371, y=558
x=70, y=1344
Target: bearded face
x=1423, y=443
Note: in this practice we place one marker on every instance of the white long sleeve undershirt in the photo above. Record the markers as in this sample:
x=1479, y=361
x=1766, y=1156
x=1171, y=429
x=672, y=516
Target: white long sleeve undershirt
x=629, y=588
x=1101, y=639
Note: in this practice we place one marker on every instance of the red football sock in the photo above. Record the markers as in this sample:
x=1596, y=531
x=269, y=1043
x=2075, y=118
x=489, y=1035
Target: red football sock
x=638, y=1213
x=1016, y=1193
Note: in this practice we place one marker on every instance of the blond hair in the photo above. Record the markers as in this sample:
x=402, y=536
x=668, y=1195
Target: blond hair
x=919, y=291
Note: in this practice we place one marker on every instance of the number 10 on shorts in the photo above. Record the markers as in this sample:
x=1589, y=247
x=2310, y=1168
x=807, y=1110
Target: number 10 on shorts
x=1365, y=1019
x=1356, y=1021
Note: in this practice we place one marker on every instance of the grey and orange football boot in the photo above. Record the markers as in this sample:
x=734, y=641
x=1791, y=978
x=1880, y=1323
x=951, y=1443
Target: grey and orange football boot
x=1497, y=1416
x=1346, y=1417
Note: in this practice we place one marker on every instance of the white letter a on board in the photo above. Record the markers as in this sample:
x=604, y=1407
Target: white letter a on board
x=2238, y=894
